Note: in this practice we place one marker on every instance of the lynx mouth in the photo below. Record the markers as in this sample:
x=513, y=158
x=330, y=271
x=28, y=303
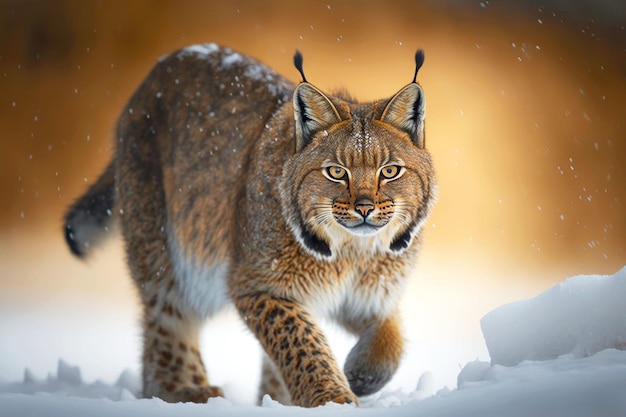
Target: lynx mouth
x=364, y=229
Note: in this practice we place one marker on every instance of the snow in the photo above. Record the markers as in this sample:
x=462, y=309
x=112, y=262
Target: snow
x=231, y=59
x=566, y=386
x=581, y=316
x=558, y=353
x=555, y=354
x=200, y=50
x=228, y=59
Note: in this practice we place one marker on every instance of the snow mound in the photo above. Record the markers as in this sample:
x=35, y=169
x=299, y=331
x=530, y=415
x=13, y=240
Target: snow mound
x=567, y=386
x=68, y=382
x=581, y=316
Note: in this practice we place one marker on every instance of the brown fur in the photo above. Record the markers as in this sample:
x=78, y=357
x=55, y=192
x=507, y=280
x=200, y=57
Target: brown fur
x=223, y=197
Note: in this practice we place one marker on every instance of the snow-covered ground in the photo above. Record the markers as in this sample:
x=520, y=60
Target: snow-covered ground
x=567, y=386
x=557, y=353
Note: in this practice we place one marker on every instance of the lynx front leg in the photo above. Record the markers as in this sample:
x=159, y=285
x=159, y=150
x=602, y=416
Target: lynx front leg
x=375, y=358
x=298, y=348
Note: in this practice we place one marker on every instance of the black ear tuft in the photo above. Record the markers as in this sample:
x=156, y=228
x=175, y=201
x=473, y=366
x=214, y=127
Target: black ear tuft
x=406, y=109
x=419, y=61
x=298, y=61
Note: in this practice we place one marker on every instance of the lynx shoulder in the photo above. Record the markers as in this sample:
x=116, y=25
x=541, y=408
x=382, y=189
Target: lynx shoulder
x=233, y=186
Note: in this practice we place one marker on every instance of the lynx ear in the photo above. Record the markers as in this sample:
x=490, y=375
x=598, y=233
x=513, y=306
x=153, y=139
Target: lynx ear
x=405, y=111
x=313, y=112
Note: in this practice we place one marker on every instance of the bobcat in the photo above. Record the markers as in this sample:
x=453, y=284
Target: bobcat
x=232, y=185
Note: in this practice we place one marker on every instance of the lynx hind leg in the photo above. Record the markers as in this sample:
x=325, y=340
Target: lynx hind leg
x=375, y=358
x=173, y=369
x=272, y=383
x=172, y=366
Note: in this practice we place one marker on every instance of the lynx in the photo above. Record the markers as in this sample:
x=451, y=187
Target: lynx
x=233, y=186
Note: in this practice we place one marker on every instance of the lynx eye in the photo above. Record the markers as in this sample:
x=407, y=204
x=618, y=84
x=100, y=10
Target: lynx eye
x=337, y=173
x=390, y=171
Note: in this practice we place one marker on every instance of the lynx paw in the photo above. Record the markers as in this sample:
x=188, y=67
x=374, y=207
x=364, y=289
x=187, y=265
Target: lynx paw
x=367, y=382
x=334, y=396
x=197, y=394
x=375, y=358
x=367, y=373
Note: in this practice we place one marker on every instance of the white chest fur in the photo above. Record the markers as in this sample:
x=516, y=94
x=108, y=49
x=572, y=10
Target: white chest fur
x=356, y=297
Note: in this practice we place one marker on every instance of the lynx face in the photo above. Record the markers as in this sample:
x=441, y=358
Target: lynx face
x=361, y=173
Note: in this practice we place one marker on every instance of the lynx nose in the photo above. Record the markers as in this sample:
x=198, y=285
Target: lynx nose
x=364, y=206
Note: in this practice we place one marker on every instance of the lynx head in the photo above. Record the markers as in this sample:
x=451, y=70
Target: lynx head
x=360, y=176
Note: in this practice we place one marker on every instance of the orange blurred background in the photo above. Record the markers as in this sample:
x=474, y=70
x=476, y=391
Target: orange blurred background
x=525, y=114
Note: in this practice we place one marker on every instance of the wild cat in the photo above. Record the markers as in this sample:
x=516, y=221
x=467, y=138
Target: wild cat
x=232, y=185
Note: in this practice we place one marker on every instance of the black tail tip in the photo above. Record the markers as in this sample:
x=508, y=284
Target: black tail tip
x=70, y=239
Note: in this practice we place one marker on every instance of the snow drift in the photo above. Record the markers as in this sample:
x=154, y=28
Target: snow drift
x=581, y=316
